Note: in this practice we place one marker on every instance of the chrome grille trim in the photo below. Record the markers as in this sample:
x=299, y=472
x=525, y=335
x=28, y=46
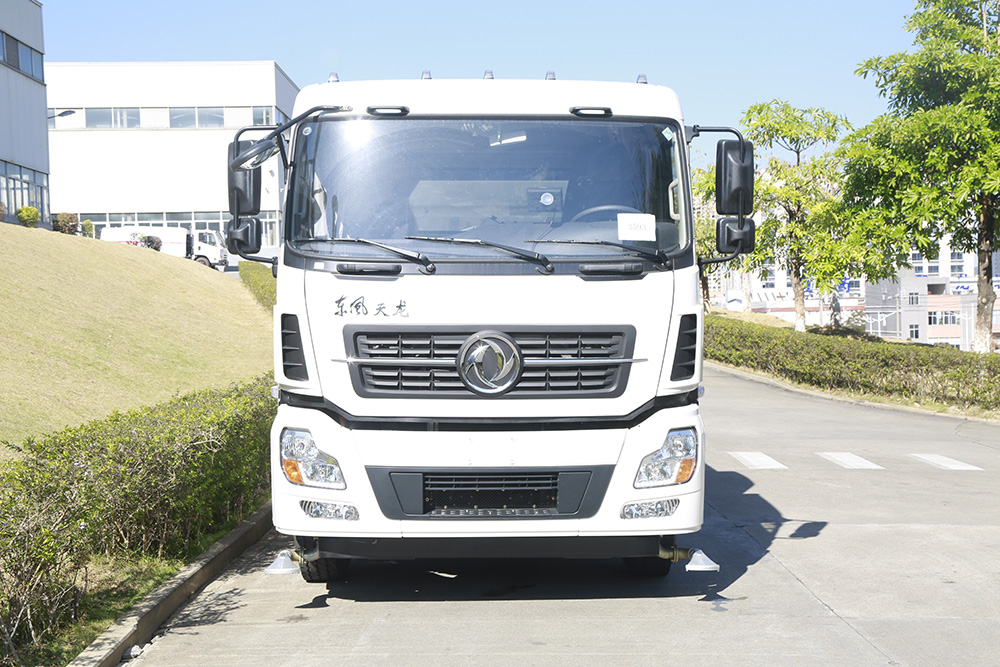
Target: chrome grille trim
x=557, y=361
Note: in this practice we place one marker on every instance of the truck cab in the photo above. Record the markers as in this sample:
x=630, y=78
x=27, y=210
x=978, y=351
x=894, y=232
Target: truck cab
x=488, y=328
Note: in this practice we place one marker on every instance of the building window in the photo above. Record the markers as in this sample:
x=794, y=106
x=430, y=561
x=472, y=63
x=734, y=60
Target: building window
x=210, y=117
x=21, y=57
x=932, y=317
x=126, y=117
x=956, y=256
x=915, y=256
x=118, y=118
x=957, y=270
x=263, y=116
x=98, y=118
x=769, y=281
x=20, y=186
x=914, y=331
x=182, y=117
x=914, y=299
x=933, y=269
x=949, y=317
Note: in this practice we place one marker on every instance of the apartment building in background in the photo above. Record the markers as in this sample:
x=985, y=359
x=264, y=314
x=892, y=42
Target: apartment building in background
x=934, y=302
x=146, y=142
x=24, y=148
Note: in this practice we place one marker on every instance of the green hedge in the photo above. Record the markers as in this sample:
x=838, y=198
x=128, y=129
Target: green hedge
x=260, y=281
x=914, y=372
x=151, y=480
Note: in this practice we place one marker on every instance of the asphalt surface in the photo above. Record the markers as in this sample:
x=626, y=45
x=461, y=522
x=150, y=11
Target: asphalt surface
x=842, y=535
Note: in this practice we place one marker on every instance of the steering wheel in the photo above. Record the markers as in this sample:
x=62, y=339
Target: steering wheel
x=604, y=209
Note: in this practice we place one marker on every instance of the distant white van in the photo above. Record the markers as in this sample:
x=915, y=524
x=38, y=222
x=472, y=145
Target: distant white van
x=205, y=247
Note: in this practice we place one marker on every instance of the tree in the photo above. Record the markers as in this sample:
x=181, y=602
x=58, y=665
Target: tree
x=796, y=201
x=930, y=166
x=67, y=223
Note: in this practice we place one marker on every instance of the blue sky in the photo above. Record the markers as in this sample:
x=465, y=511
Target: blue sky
x=720, y=56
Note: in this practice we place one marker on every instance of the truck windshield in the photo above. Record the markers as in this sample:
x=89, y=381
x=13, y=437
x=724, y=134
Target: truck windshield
x=432, y=185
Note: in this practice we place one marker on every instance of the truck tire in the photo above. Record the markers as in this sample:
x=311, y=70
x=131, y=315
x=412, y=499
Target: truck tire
x=203, y=261
x=324, y=570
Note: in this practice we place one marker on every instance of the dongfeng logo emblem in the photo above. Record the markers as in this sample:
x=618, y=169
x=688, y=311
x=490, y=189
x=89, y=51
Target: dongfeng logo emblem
x=489, y=363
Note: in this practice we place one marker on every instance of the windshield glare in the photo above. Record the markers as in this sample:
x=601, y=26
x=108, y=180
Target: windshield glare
x=519, y=183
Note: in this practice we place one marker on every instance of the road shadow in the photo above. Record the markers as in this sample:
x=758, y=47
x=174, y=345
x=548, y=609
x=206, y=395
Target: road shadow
x=738, y=530
x=742, y=526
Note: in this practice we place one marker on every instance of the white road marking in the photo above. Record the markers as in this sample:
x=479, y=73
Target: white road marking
x=944, y=462
x=848, y=460
x=757, y=461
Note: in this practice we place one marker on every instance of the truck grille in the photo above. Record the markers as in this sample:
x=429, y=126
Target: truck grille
x=555, y=363
x=490, y=494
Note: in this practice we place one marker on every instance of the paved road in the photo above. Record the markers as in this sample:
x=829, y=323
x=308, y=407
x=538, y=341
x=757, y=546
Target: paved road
x=843, y=540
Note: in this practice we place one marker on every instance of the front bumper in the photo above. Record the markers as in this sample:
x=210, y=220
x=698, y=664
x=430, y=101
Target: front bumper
x=593, y=470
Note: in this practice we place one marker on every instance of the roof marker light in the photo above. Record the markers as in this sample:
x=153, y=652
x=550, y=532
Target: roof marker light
x=426, y=74
x=550, y=76
x=333, y=78
x=488, y=74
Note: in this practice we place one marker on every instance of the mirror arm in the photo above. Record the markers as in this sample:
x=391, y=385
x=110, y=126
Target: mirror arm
x=696, y=131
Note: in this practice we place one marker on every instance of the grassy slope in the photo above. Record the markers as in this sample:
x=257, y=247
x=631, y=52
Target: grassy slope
x=88, y=327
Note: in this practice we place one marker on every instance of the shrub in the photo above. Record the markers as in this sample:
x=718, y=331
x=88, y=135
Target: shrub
x=153, y=242
x=67, y=223
x=41, y=557
x=88, y=228
x=150, y=480
x=260, y=281
x=28, y=216
x=913, y=372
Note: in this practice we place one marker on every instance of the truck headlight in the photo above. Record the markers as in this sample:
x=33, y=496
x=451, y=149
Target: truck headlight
x=673, y=463
x=303, y=462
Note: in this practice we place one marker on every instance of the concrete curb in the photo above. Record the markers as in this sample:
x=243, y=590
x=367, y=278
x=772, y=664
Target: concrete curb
x=818, y=393
x=140, y=623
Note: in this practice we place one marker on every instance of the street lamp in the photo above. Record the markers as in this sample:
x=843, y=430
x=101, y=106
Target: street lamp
x=63, y=114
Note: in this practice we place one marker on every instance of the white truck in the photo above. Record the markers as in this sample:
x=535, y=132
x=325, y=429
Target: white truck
x=204, y=246
x=488, y=330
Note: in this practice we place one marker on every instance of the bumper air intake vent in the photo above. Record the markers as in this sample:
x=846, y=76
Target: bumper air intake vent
x=687, y=349
x=293, y=358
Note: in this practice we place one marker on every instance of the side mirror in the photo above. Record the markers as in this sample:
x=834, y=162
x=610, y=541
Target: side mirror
x=734, y=178
x=244, y=186
x=244, y=236
x=735, y=236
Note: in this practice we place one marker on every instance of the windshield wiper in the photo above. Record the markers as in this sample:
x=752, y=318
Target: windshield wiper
x=536, y=258
x=657, y=256
x=415, y=257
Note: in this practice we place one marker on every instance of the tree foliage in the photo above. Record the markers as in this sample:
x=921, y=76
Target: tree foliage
x=796, y=201
x=929, y=169
x=67, y=223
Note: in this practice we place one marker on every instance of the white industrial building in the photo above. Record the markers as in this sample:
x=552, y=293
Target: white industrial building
x=146, y=143
x=24, y=151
